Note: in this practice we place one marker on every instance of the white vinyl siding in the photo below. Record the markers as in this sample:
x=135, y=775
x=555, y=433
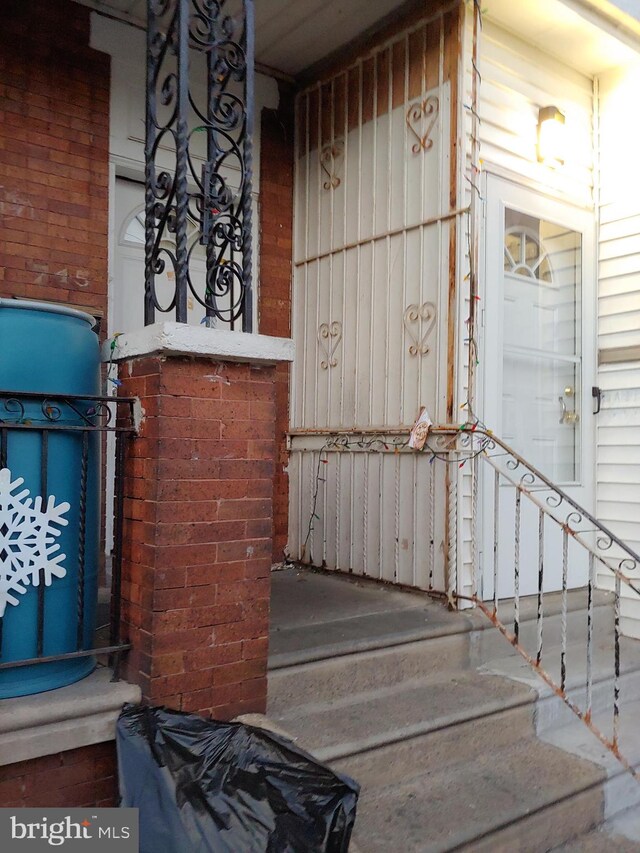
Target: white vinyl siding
x=618, y=425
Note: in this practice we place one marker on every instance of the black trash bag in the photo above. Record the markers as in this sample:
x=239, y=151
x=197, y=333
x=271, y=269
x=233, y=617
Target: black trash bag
x=209, y=787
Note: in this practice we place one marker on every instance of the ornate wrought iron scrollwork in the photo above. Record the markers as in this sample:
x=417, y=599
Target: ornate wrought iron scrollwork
x=12, y=406
x=421, y=118
x=329, y=336
x=217, y=133
x=331, y=158
x=419, y=321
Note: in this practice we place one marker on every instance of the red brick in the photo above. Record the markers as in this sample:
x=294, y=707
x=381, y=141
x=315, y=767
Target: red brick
x=80, y=777
x=257, y=648
x=195, y=582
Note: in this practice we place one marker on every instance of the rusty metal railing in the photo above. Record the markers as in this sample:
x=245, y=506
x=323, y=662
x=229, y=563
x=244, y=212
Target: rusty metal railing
x=514, y=490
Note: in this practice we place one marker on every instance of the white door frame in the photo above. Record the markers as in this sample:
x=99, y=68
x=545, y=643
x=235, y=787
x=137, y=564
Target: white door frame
x=499, y=193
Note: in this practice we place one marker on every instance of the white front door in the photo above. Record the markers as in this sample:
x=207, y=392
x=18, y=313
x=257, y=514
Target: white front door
x=539, y=345
x=127, y=285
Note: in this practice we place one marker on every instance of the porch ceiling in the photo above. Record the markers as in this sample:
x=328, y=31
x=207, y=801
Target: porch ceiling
x=294, y=35
x=291, y=35
x=588, y=35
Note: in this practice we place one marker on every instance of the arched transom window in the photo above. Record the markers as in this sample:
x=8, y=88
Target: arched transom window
x=525, y=255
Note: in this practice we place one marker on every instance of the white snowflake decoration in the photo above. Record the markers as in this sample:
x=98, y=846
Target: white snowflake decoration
x=27, y=540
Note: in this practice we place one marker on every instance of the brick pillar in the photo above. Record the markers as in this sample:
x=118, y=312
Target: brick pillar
x=276, y=246
x=198, y=529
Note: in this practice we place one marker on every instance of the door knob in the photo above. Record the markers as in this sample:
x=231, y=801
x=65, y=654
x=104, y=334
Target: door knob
x=567, y=417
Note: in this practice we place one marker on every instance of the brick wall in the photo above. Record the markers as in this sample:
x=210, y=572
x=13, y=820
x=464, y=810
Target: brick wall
x=276, y=247
x=198, y=528
x=54, y=138
x=79, y=777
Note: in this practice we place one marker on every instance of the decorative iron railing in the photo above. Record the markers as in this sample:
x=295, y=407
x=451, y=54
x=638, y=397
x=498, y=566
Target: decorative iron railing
x=550, y=530
x=199, y=158
x=51, y=490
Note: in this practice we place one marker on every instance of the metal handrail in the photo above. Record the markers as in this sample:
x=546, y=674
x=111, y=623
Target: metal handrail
x=472, y=442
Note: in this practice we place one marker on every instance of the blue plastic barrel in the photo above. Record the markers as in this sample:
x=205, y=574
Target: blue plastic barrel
x=52, y=350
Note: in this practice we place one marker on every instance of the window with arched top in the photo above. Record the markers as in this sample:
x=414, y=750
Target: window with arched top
x=525, y=255
x=133, y=233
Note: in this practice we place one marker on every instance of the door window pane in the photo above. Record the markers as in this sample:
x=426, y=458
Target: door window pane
x=542, y=343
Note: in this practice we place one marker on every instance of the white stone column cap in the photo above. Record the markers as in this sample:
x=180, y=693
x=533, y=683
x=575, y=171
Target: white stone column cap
x=180, y=339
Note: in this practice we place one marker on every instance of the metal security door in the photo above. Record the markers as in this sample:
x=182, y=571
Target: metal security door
x=540, y=343
x=372, y=236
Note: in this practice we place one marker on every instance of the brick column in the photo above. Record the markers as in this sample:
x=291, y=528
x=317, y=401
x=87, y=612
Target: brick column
x=276, y=246
x=199, y=524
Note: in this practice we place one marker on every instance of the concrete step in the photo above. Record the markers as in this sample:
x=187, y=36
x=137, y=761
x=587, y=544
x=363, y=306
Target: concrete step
x=316, y=617
x=488, y=643
x=338, y=677
x=621, y=790
x=319, y=673
x=412, y=701
x=551, y=711
x=600, y=840
x=412, y=709
x=455, y=743
x=526, y=797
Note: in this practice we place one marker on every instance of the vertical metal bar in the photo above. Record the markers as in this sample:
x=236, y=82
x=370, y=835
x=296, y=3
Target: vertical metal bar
x=496, y=533
x=324, y=511
x=475, y=556
x=82, y=535
x=352, y=509
x=540, y=613
x=3, y=464
x=516, y=564
x=414, y=523
x=423, y=168
x=565, y=567
x=150, y=178
x=116, y=563
x=338, y=512
x=358, y=189
x=365, y=515
x=590, y=588
x=312, y=509
x=402, y=418
x=396, y=572
x=182, y=162
x=247, y=200
x=452, y=509
x=388, y=300
x=212, y=155
x=44, y=461
x=320, y=261
x=432, y=509
x=371, y=303
x=332, y=258
x=380, y=514
x=616, y=681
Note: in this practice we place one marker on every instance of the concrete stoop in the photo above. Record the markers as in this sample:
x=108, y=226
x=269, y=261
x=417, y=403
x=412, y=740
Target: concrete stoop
x=455, y=744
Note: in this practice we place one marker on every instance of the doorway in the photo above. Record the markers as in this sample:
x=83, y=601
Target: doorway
x=539, y=356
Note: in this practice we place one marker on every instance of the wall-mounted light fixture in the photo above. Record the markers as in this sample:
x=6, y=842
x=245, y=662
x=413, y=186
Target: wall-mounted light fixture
x=551, y=136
